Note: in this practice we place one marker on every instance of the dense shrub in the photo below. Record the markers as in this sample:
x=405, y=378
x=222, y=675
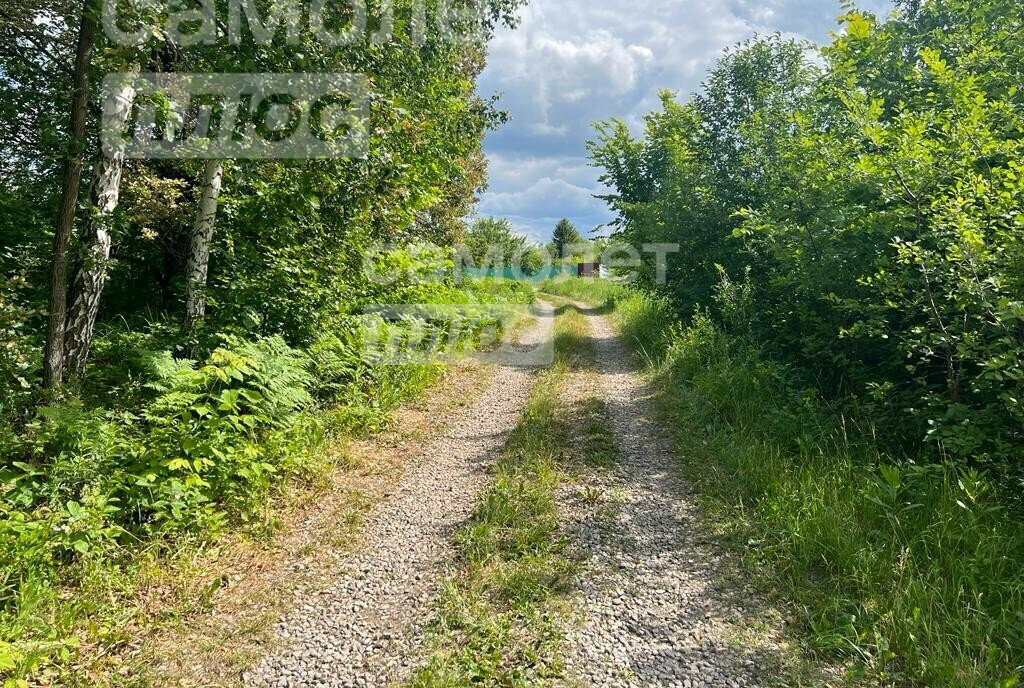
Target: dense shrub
x=219, y=354
x=18, y=356
x=860, y=222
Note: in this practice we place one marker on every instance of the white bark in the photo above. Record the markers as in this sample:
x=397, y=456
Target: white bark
x=96, y=240
x=202, y=236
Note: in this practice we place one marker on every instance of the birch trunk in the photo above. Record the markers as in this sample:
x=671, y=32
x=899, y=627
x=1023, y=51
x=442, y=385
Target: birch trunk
x=53, y=361
x=202, y=236
x=96, y=239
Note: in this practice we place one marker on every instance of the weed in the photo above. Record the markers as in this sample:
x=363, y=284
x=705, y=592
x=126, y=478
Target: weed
x=591, y=496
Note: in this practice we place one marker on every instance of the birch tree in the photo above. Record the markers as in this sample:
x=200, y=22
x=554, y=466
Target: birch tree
x=202, y=236
x=96, y=239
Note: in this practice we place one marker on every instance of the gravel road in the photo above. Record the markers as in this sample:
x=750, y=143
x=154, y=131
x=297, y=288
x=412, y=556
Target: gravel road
x=365, y=630
x=654, y=610
x=653, y=606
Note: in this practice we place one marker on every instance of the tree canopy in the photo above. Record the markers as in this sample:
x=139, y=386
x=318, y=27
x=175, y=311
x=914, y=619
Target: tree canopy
x=859, y=220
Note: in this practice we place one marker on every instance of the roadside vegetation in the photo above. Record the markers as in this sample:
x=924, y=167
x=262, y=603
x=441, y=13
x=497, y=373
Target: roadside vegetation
x=180, y=340
x=100, y=497
x=838, y=345
x=839, y=341
x=502, y=615
x=859, y=219
x=910, y=567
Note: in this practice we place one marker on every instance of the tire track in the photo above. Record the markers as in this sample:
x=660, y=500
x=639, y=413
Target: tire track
x=654, y=608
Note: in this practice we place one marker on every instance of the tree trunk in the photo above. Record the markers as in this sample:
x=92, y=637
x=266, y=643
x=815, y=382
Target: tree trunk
x=199, y=251
x=96, y=240
x=53, y=361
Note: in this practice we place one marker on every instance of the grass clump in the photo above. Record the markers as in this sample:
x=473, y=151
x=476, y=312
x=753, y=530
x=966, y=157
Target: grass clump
x=499, y=618
x=911, y=568
x=597, y=444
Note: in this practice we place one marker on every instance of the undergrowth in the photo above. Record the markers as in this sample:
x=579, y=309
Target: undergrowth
x=157, y=457
x=912, y=569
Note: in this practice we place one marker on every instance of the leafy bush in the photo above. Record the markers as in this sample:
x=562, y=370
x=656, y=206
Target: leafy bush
x=912, y=568
x=844, y=367
x=19, y=357
x=192, y=451
x=860, y=222
x=175, y=433
x=202, y=450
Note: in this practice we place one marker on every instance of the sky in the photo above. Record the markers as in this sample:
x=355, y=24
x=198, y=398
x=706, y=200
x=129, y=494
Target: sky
x=573, y=62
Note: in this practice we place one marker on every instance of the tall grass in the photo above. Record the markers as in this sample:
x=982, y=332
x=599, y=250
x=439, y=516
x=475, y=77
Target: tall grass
x=598, y=292
x=915, y=570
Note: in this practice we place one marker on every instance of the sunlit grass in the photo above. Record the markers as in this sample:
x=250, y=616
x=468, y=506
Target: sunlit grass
x=498, y=622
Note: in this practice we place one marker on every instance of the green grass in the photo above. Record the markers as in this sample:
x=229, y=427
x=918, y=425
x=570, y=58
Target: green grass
x=593, y=291
x=912, y=571
x=644, y=319
x=597, y=444
x=500, y=619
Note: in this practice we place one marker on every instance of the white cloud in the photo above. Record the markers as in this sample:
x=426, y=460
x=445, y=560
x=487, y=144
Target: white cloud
x=547, y=194
x=573, y=62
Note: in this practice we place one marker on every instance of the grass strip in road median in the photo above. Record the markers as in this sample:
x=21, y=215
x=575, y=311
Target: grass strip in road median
x=498, y=623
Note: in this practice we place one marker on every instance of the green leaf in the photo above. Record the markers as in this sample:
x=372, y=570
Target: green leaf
x=178, y=464
x=857, y=25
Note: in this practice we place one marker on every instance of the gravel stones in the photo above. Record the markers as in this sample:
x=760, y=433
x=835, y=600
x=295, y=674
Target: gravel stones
x=653, y=611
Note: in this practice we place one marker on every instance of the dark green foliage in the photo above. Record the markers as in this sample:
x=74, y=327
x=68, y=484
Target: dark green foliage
x=913, y=569
x=703, y=161
x=862, y=224
x=18, y=359
x=564, y=237
x=172, y=438
x=186, y=449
